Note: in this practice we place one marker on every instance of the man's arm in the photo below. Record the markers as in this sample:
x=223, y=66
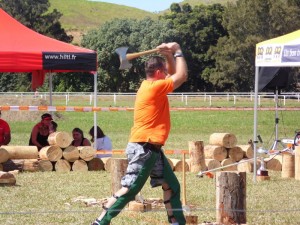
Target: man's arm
x=179, y=76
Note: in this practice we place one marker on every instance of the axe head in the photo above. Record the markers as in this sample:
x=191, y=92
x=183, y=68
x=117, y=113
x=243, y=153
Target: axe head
x=124, y=63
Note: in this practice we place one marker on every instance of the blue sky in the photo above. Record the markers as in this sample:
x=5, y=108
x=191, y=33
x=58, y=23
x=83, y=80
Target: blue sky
x=148, y=5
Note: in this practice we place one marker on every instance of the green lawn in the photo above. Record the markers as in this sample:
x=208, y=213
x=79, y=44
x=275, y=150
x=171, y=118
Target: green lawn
x=48, y=197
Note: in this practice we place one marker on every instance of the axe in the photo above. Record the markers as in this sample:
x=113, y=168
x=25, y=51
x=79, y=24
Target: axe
x=124, y=58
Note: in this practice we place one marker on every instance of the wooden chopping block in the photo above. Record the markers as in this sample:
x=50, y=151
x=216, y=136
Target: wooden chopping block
x=139, y=207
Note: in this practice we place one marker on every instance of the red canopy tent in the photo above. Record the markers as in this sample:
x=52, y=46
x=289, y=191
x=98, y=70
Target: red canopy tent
x=24, y=50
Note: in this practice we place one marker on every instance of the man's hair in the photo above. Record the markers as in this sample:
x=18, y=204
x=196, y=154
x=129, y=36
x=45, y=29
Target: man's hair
x=153, y=64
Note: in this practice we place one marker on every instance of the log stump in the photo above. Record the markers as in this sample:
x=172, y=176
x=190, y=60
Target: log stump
x=288, y=165
x=7, y=179
x=71, y=153
x=118, y=170
x=45, y=165
x=60, y=138
x=95, y=164
x=52, y=153
x=235, y=153
x=62, y=165
x=80, y=165
x=231, y=197
x=297, y=162
x=226, y=162
x=226, y=140
x=4, y=155
x=21, y=152
x=86, y=153
x=197, y=157
x=215, y=152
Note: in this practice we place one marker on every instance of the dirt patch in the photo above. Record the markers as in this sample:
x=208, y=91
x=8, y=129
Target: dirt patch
x=24, y=115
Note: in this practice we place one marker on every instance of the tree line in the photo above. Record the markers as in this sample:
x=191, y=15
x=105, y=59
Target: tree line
x=218, y=42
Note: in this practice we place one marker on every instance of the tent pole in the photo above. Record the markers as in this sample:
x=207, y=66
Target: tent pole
x=255, y=122
x=50, y=88
x=95, y=105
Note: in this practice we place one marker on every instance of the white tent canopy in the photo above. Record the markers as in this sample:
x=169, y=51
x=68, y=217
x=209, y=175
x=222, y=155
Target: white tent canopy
x=283, y=51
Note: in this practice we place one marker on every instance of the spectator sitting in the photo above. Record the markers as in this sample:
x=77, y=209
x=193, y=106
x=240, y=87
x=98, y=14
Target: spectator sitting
x=53, y=127
x=102, y=142
x=5, y=135
x=79, y=139
x=40, y=132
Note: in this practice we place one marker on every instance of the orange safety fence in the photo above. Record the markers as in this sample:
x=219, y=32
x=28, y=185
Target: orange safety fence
x=114, y=109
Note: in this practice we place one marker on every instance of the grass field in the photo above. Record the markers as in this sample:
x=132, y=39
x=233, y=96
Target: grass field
x=48, y=197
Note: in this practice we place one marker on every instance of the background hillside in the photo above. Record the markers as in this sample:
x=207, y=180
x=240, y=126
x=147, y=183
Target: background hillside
x=79, y=16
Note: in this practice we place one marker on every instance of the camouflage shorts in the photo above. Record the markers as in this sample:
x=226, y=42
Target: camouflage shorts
x=137, y=155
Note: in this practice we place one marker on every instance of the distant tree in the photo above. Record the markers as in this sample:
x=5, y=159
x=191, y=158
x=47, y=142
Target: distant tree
x=248, y=23
x=138, y=35
x=35, y=15
x=198, y=29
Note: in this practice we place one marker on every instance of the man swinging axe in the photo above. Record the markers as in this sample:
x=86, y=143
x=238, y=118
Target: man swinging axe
x=149, y=133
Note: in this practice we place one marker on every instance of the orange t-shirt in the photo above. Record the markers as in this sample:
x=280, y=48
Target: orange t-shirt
x=4, y=129
x=151, y=112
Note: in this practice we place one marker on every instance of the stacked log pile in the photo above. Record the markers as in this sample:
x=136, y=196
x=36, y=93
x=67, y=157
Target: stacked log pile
x=223, y=148
x=58, y=156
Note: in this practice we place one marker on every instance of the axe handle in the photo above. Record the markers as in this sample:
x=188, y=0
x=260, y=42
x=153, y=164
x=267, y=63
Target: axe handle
x=131, y=56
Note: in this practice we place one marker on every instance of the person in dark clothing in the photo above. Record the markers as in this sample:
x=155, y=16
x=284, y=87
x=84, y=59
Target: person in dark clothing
x=79, y=139
x=40, y=132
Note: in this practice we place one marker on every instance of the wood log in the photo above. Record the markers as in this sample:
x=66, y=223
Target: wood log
x=118, y=170
x=226, y=162
x=226, y=140
x=86, y=153
x=21, y=152
x=60, y=138
x=248, y=150
x=288, y=165
x=171, y=163
x=246, y=166
x=215, y=152
x=52, y=153
x=71, y=153
x=30, y=165
x=139, y=206
x=178, y=165
x=274, y=163
x=212, y=164
x=107, y=163
x=191, y=220
x=95, y=164
x=235, y=153
x=80, y=165
x=62, y=165
x=297, y=162
x=7, y=179
x=45, y=165
x=14, y=172
x=4, y=155
x=231, y=197
x=197, y=157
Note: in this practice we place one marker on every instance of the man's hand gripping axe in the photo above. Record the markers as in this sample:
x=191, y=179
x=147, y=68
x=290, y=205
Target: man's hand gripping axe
x=125, y=58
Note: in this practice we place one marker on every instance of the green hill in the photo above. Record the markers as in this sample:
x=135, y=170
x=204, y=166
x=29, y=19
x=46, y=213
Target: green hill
x=79, y=16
